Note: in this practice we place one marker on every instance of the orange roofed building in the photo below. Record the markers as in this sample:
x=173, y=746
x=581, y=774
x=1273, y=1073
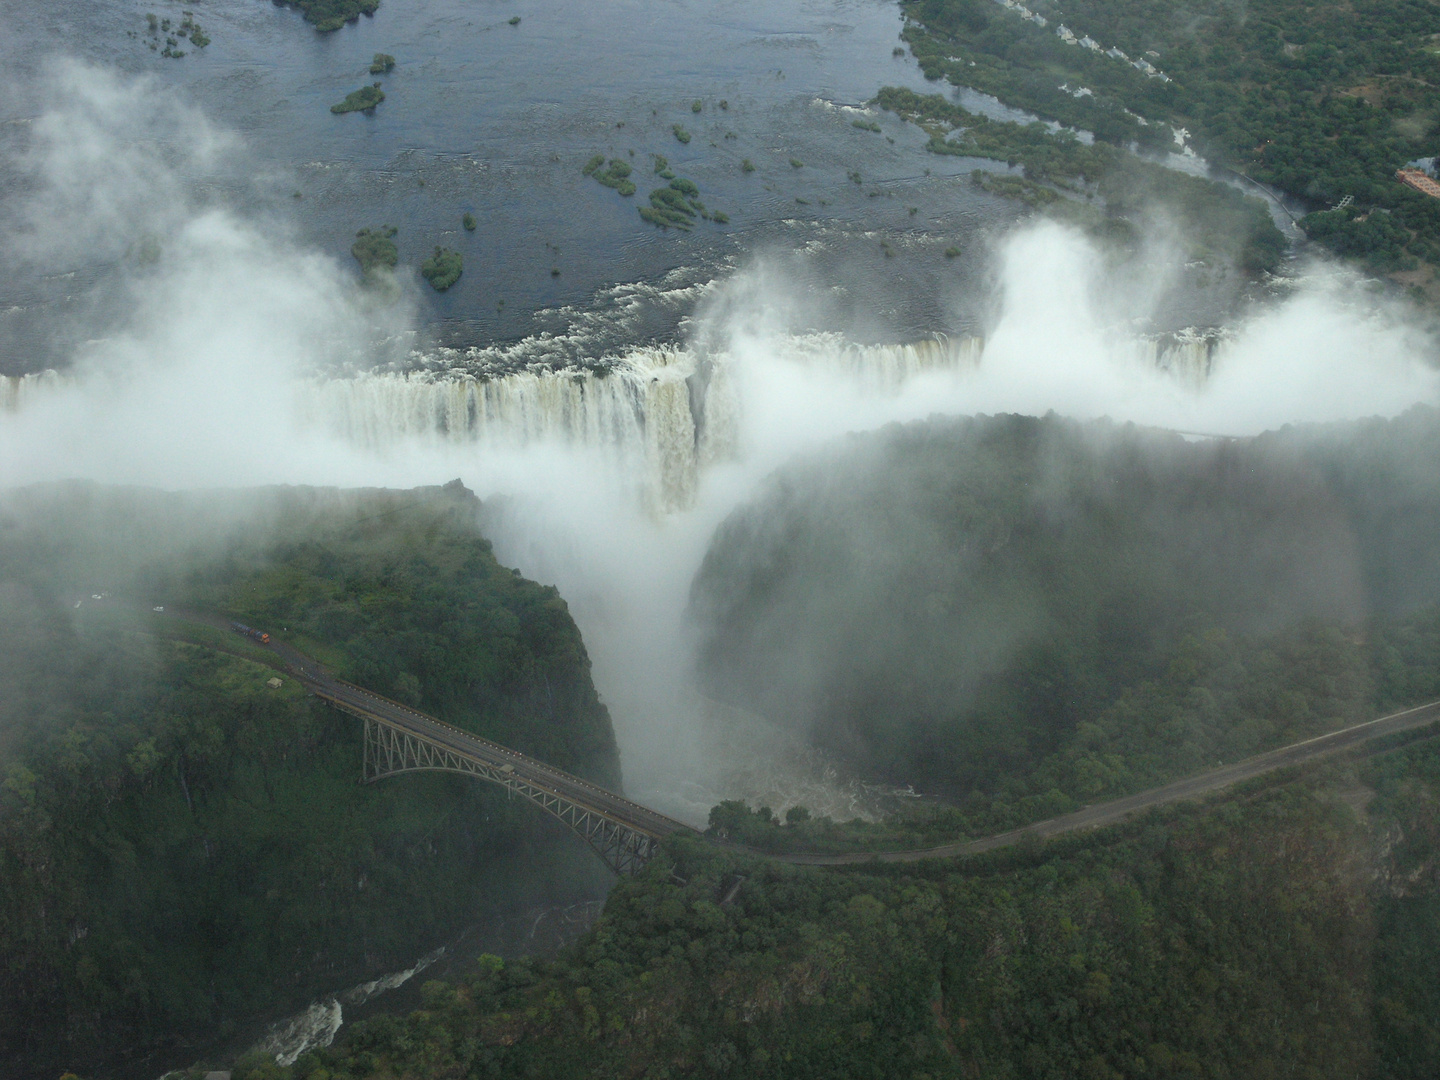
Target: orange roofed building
x=1419, y=181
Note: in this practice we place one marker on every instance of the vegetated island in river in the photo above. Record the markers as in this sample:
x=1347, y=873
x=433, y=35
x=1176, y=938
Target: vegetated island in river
x=374, y=249
x=442, y=269
x=328, y=15
x=183, y=844
x=363, y=100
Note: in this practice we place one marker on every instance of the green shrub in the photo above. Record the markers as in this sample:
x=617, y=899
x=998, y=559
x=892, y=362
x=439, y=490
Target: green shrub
x=382, y=64
x=681, y=133
x=468, y=221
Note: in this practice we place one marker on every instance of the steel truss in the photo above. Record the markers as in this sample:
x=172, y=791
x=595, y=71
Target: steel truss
x=390, y=751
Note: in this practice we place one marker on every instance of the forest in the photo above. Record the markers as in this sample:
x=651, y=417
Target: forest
x=1024, y=614
x=183, y=844
x=1289, y=931
x=1320, y=101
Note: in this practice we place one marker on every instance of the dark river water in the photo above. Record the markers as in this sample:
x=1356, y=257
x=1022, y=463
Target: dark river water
x=496, y=120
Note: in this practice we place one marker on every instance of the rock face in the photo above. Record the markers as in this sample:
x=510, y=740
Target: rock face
x=182, y=838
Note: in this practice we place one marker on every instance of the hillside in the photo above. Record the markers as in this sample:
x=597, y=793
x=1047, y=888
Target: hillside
x=184, y=846
x=1283, y=933
x=1027, y=614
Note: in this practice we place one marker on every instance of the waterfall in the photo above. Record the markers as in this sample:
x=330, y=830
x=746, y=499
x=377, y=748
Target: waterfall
x=16, y=391
x=663, y=413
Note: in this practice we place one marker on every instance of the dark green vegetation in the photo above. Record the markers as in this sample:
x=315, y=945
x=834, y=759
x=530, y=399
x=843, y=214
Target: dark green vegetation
x=327, y=15
x=1217, y=221
x=615, y=175
x=1280, y=934
x=363, y=100
x=183, y=844
x=383, y=64
x=374, y=249
x=514, y=20
x=1323, y=101
x=468, y=222
x=681, y=134
x=163, y=33
x=866, y=125
x=662, y=168
x=442, y=269
x=676, y=206
x=1031, y=614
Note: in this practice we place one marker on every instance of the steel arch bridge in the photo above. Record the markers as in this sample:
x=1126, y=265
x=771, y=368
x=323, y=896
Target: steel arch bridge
x=399, y=739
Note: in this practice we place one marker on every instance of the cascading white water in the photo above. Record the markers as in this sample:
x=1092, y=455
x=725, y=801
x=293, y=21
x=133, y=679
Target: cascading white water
x=17, y=391
x=665, y=413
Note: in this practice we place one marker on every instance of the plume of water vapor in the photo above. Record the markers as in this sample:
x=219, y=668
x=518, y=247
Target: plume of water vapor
x=203, y=376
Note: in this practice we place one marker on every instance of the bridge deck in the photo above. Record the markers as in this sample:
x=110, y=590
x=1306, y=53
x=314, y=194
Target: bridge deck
x=382, y=710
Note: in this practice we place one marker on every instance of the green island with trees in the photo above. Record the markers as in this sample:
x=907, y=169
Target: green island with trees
x=1324, y=102
x=183, y=844
x=443, y=268
x=330, y=15
x=363, y=100
x=375, y=250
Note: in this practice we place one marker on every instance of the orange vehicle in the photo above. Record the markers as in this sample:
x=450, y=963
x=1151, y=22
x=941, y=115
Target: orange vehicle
x=249, y=631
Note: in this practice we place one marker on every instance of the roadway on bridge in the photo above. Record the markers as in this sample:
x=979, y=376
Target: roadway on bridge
x=382, y=710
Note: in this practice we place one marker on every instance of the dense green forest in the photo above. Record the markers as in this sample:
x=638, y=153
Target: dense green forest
x=1322, y=101
x=1289, y=931
x=183, y=844
x=1024, y=613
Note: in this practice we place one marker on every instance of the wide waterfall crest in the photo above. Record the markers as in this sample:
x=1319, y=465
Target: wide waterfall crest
x=663, y=413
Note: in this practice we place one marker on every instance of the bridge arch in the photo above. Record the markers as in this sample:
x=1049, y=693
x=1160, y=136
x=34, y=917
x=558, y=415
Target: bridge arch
x=391, y=751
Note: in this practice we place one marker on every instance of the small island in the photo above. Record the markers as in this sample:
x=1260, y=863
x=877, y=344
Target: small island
x=442, y=269
x=328, y=15
x=615, y=175
x=363, y=100
x=374, y=249
x=383, y=64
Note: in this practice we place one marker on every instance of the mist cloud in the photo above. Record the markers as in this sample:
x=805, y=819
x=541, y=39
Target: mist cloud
x=221, y=319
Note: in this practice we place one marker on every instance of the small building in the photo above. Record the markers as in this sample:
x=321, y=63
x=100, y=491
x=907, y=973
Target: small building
x=1419, y=181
